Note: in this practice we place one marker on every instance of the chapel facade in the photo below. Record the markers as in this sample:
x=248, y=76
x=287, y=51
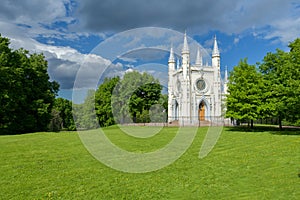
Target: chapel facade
x=195, y=90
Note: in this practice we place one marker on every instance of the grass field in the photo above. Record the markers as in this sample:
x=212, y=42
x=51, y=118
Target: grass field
x=243, y=165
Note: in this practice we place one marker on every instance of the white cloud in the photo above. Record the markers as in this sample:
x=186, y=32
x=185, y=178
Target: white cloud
x=236, y=40
x=80, y=18
x=286, y=30
x=24, y=20
x=63, y=62
x=231, y=16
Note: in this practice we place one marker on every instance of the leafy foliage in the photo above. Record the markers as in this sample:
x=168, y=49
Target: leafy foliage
x=63, y=108
x=103, y=101
x=281, y=72
x=84, y=114
x=133, y=97
x=26, y=94
x=55, y=124
x=245, y=92
x=273, y=91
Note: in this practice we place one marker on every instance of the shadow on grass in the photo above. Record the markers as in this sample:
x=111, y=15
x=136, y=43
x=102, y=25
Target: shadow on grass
x=4, y=132
x=275, y=130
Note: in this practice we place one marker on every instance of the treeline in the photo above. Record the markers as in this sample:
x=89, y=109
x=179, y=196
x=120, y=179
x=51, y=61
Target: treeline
x=28, y=103
x=270, y=89
x=136, y=98
x=62, y=116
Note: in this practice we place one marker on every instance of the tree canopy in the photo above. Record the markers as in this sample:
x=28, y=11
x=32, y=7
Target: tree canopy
x=85, y=113
x=281, y=72
x=26, y=92
x=103, y=101
x=133, y=97
x=272, y=89
x=62, y=116
x=245, y=91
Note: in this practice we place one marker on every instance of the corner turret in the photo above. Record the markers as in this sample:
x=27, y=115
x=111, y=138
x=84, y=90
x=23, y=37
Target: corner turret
x=198, y=62
x=215, y=54
x=185, y=57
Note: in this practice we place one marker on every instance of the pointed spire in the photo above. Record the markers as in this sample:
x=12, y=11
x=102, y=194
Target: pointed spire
x=198, y=58
x=225, y=87
x=226, y=75
x=215, y=51
x=185, y=48
x=171, y=58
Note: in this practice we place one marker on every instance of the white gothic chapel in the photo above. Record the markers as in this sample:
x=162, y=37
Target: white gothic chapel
x=194, y=90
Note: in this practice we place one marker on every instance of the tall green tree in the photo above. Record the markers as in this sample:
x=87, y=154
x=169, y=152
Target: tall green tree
x=275, y=95
x=103, y=101
x=133, y=97
x=55, y=123
x=142, y=99
x=281, y=72
x=245, y=91
x=85, y=113
x=294, y=82
x=26, y=92
x=64, y=109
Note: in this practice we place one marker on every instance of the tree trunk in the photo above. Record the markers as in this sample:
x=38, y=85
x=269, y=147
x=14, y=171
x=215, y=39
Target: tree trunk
x=251, y=123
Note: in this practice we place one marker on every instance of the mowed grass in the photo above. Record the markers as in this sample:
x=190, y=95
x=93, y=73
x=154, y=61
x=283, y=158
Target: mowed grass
x=243, y=165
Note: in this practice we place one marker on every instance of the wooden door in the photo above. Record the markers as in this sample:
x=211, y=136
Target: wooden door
x=201, y=112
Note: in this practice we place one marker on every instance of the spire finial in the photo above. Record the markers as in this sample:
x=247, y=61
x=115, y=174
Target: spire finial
x=198, y=58
x=172, y=57
x=185, y=48
x=226, y=75
x=215, y=51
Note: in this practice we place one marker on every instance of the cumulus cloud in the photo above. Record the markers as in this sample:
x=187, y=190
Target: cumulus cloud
x=81, y=17
x=285, y=30
x=63, y=62
x=122, y=15
x=25, y=20
x=231, y=16
x=35, y=16
x=236, y=40
x=33, y=11
x=84, y=17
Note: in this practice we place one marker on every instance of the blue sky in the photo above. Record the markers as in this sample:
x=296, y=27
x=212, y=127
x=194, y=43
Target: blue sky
x=74, y=33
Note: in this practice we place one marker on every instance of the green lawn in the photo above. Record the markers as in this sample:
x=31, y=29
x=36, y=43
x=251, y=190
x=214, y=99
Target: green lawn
x=243, y=165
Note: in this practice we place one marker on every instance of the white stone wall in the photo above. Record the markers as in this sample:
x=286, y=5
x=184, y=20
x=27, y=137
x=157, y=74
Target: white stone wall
x=186, y=94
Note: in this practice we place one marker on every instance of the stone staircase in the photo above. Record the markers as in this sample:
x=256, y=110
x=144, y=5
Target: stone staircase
x=200, y=123
x=174, y=123
x=204, y=123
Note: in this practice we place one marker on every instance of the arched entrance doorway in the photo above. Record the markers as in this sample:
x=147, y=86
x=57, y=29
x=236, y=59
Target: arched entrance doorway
x=201, y=111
